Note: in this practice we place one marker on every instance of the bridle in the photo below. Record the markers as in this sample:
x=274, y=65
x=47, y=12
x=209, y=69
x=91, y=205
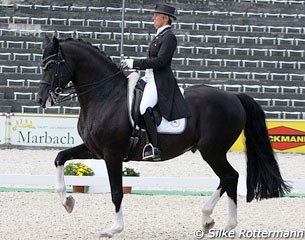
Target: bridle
x=56, y=90
x=58, y=60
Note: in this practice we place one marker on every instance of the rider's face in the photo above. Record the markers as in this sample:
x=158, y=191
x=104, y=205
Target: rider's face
x=159, y=20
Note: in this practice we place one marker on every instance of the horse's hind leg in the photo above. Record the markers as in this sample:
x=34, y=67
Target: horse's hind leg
x=230, y=186
x=207, y=210
x=228, y=183
x=78, y=152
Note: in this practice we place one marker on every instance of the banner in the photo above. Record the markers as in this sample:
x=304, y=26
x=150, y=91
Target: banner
x=2, y=129
x=44, y=130
x=285, y=136
x=47, y=130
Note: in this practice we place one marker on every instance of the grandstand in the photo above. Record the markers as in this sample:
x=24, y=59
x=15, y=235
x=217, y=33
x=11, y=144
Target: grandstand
x=251, y=46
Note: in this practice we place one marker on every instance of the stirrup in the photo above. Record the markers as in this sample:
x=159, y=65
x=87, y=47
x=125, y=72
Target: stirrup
x=149, y=147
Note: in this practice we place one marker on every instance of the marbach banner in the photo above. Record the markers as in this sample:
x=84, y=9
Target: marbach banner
x=44, y=131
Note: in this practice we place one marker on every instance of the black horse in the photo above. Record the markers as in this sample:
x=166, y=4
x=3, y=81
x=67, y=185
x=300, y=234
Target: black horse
x=217, y=120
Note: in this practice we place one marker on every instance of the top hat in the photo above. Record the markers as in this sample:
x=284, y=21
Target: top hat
x=165, y=9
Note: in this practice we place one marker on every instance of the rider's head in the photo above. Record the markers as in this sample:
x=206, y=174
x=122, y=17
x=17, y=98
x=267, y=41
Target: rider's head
x=163, y=15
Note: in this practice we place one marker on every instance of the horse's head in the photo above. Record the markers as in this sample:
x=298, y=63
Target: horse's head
x=56, y=73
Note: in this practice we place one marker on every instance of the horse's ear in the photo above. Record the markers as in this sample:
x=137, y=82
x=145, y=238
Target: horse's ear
x=55, y=43
x=46, y=41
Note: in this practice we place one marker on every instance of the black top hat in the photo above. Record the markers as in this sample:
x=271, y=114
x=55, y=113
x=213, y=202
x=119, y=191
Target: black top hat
x=165, y=9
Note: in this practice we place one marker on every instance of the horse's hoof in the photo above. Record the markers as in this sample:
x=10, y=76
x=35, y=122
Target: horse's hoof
x=208, y=225
x=106, y=234
x=231, y=225
x=110, y=232
x=69, y=204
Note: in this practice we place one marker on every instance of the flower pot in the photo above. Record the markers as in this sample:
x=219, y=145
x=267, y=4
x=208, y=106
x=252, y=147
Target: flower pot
x=127, y=189
x=80, y=189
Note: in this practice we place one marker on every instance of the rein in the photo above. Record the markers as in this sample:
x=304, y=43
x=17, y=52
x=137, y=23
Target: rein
x=93, y=85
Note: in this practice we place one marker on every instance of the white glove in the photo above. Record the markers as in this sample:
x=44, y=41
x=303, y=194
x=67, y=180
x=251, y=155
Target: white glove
x=127, y=63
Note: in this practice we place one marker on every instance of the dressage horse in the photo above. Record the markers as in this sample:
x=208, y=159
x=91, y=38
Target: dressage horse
x=218, y=118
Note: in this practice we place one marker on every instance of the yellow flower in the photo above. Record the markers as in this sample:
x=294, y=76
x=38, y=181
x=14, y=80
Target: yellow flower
x=78, y=169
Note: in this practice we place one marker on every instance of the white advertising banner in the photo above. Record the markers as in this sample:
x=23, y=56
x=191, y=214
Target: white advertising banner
x=44, y=131
x=2, y=129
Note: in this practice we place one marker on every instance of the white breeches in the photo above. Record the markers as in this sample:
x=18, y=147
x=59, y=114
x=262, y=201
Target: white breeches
x=150, y=95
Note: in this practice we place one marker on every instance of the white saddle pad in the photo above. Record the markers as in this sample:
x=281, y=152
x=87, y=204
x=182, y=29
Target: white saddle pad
x=165, y=127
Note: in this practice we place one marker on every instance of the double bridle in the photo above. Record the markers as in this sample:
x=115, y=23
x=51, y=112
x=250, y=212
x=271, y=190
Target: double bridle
x=56, y=90
x=58, y=60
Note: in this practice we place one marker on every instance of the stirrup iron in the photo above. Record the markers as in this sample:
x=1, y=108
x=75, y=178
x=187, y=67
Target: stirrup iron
x=145, y=149
x=154, y=156
x=154, y=153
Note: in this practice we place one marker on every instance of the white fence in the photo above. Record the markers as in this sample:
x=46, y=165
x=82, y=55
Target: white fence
x=101, y=184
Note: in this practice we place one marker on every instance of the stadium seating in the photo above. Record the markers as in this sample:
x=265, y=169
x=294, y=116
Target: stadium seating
x=251, y=46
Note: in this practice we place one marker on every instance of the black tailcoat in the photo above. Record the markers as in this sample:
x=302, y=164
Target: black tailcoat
x=160, y=53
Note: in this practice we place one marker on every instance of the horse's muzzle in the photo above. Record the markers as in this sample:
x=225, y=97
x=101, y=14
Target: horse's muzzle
x=41, y=102
x=45, y=103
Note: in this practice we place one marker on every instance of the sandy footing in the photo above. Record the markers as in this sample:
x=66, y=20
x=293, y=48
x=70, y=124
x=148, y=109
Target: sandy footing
x=40, y=215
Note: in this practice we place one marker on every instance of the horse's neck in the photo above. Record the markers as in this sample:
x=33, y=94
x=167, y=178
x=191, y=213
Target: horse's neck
x=95, y=77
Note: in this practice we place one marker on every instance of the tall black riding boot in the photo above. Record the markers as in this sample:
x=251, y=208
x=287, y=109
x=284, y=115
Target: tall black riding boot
x=151, y=151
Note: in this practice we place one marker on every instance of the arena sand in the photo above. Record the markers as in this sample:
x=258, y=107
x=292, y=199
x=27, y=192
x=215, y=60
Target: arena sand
x=38, y=215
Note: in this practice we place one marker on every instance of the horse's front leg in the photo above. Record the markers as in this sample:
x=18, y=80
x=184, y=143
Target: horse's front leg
x=114, y=167
x=60, y=187
x=78, y=152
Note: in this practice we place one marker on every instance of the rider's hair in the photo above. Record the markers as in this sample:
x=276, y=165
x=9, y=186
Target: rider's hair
x=170, y=19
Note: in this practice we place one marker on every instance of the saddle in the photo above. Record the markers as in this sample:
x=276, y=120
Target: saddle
x=136, y=87
x=134, y=95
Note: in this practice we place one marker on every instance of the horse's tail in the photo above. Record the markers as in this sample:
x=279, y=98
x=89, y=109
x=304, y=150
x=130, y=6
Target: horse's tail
x=264, y=179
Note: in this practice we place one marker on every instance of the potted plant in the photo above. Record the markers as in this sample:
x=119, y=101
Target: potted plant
x=78, y=169
x=129, y=172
